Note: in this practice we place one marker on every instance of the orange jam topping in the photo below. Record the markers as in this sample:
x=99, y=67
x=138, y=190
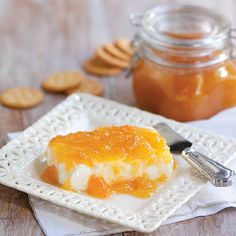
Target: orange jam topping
x=50, y=175
x=141, y=187
x=109, y=144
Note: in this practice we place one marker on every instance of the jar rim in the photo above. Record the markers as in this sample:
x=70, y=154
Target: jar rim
x=156, y=30
x=198, y=36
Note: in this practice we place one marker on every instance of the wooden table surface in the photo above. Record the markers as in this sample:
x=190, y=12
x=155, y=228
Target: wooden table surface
x=39, y=37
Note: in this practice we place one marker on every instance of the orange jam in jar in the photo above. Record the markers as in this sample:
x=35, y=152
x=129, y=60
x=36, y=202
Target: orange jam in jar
x=185, y=69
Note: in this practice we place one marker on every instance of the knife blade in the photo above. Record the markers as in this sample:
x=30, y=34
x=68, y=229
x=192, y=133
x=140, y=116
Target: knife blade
x=217, y=174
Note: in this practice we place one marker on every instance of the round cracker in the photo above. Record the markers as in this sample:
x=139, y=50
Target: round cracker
x=116, y=52
x=63, y=81
x=124, y=45
x=21, y=97
x=89, y=86
x=107, y=58
x=95, y=66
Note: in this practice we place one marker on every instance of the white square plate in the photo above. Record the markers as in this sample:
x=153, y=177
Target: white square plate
x=22, y=161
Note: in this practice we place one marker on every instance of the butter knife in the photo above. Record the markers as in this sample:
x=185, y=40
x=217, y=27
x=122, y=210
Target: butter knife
x=217, y=174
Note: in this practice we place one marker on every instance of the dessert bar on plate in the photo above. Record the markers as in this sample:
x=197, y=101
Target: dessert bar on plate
x=22, y=161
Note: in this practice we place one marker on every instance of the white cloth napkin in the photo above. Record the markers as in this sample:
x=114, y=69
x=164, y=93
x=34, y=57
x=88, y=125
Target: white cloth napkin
x=55, y=220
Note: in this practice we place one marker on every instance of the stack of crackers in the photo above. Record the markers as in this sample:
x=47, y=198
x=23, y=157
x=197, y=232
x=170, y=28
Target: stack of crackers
x=109, y=59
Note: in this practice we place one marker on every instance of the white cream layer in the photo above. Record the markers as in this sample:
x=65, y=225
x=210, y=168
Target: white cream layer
x=80, y=175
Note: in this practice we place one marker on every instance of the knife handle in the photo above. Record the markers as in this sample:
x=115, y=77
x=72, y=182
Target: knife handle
x=216, y=173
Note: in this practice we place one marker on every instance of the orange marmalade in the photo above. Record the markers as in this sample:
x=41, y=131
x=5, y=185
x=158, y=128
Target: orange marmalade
x=185, y=71
x=185, y=95
x=109, y=160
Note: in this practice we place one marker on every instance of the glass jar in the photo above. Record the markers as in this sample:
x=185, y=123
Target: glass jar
x=185, y=69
